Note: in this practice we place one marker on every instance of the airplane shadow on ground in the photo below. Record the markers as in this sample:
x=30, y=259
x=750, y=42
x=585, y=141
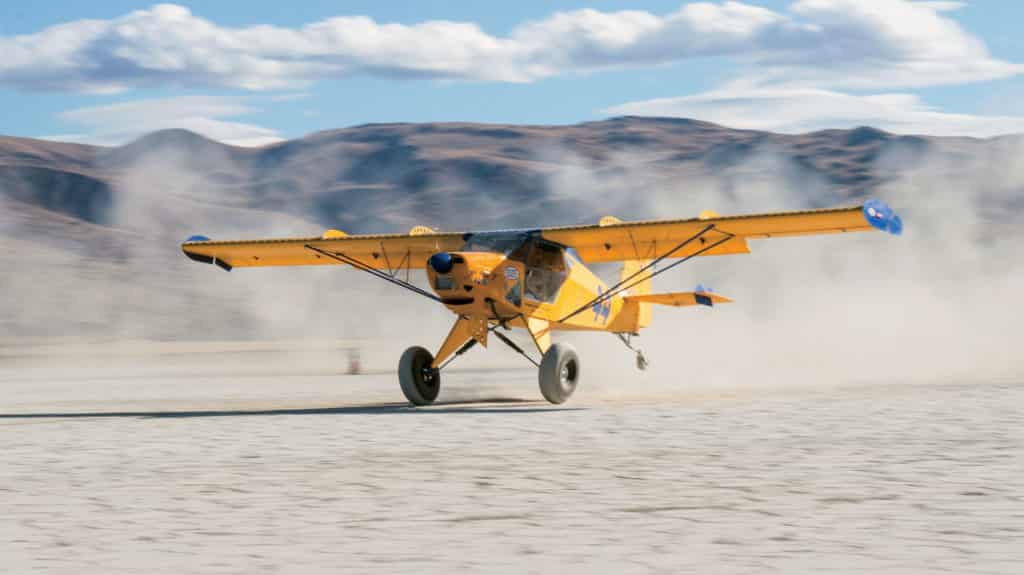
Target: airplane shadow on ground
x=466, y=406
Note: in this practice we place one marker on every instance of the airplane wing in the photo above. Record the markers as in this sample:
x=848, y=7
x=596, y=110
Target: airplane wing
x=711, y=234
x=391, y=252
x=611, y=240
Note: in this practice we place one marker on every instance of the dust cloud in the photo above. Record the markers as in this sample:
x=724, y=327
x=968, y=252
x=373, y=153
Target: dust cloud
x=935, y=305
x=107, y=288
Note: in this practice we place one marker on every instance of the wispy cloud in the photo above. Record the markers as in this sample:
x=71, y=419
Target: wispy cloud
x=836, y=43
x=883, y=43
x=116, y=124
x=803, y=110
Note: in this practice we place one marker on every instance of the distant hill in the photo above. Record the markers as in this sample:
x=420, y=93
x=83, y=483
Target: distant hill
x=383, y=175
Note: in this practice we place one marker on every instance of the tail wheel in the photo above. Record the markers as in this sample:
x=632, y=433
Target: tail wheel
x=559, y=373
x=420, y=382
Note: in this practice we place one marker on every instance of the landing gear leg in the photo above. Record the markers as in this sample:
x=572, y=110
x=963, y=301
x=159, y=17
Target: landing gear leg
x=559, y=369
x=419, y=372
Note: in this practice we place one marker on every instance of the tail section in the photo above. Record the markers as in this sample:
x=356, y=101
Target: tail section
x=638, y=300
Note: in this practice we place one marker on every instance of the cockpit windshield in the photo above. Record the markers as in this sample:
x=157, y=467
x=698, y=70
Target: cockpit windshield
x=503, y=243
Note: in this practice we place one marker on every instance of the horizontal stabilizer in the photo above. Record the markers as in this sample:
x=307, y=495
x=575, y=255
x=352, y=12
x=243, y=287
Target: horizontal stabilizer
x=680, y=299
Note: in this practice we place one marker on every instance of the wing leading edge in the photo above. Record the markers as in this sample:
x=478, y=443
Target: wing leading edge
x=651, y=239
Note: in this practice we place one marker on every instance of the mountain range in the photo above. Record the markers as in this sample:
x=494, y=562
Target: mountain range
x=381, y=175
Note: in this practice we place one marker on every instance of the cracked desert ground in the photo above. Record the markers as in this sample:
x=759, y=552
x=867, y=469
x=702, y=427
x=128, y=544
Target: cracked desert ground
x=250, y=460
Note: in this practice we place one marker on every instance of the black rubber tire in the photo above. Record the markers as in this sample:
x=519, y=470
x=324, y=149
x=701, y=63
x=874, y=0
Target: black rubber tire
x=420, y=383
x=559, y=373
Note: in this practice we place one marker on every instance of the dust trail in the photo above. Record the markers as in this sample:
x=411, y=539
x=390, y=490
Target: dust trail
x=935, y=305
x=128, y=280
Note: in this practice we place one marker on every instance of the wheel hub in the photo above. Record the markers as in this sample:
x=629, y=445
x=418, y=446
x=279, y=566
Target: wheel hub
x=428, y=375
x=567, y=375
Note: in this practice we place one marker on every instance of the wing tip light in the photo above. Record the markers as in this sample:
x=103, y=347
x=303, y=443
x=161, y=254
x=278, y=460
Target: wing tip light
x=202, y=258
x=882, y=217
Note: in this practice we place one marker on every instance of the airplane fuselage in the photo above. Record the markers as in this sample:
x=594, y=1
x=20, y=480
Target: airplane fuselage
x=538, y=279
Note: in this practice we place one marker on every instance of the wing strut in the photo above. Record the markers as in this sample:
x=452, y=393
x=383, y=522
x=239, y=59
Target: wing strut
x=625, y=284
x=388, y=277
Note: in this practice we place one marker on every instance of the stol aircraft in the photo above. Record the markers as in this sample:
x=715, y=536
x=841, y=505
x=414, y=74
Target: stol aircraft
x=538, y=279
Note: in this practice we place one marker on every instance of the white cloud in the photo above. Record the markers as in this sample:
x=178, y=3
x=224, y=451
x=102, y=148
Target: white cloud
x=802, y=110
x=830, y=43
x=117, y=124
x=942, y=6
x=884, y=43
x=589, y=39
x=168, y=45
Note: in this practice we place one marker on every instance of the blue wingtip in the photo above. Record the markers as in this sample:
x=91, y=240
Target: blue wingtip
x=197, y=239
x=882, y=217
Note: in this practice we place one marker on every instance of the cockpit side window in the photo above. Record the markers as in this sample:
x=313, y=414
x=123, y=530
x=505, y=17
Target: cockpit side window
x=546, y=271
x=546, y=257
x=521, y=253
x=546, y=266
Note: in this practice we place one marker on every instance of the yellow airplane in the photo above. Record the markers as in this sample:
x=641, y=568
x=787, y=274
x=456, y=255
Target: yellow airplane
x=538, y=279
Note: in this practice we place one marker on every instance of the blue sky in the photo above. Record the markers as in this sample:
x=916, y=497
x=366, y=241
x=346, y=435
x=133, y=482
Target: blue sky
x=256, y=71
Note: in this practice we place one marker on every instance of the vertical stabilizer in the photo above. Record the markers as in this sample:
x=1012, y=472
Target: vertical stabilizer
x=636, y=315
x=630, y=267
